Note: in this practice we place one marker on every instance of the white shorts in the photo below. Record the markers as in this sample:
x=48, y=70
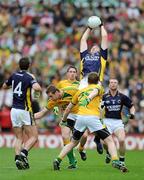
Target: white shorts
x=113, y=124
x=21, y=117
x=72, y=116
x=83, y=83
x=92, y=123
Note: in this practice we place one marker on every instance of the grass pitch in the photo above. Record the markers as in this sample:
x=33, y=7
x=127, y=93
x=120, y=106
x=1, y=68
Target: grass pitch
x=93, y=168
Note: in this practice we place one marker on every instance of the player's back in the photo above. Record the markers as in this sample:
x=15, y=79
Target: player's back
x=21, y=82
x=93, y=108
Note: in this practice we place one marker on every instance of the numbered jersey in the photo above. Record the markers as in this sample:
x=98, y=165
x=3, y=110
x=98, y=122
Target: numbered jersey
x=21, y=83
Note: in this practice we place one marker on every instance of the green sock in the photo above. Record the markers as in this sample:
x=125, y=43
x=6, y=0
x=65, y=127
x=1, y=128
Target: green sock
x=59, y=159
x=71, y=157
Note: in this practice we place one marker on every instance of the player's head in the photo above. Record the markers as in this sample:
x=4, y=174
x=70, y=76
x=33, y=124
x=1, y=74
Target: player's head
x=53, y=93
x=93, y=78
x=113, y=84
x=24, y=63
x=95, y=49
x=71, y=73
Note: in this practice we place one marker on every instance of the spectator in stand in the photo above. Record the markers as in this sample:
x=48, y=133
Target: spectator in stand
x=5, y=120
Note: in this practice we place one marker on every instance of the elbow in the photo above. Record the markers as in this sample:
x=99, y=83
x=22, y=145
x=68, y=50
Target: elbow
x=67, y=111
x=105, y=37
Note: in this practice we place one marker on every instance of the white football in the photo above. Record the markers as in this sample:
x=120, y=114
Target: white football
x=93, y=21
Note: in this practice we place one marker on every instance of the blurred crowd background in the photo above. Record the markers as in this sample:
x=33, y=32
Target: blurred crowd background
x=49, y=31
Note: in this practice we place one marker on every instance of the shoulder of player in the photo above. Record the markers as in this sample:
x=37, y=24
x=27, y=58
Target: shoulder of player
x=62, y=81
x=122, y=95
x=69, y=88
x=106, y=95
x=30, y=75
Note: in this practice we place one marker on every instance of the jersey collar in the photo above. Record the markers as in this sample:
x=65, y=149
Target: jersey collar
x=115, y=94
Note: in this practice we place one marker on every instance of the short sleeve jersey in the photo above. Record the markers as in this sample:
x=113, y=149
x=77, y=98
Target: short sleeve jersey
x=93, y=108
x=21, y=83
x=93, y=63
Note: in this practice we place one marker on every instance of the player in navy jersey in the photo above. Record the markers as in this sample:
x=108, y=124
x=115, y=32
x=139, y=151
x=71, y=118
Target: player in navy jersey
x=22, y=82
x=95, y=59
x=113, y=102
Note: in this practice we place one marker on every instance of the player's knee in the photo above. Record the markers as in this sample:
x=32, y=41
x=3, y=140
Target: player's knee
x=108, y=140
x=65, y=135
x=121, y=139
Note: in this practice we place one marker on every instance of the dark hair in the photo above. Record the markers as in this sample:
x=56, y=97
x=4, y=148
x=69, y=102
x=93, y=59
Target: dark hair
x=24, y=63
x=71, y=67
x=93, y=78
x=52, y=89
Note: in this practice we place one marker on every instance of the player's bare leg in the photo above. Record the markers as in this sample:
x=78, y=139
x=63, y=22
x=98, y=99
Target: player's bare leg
x=113, y=152
x=120, y=134
x=18, y=146
x=32, y=134
x=66, y=134
x=66, y=149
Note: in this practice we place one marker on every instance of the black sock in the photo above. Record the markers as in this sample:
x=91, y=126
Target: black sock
x=16, y=157
x=25, y=152
x=97, y=140
x=122, y=158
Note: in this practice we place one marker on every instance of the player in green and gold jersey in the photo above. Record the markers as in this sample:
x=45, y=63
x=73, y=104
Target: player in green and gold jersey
x=61, y=98
x=71, y=78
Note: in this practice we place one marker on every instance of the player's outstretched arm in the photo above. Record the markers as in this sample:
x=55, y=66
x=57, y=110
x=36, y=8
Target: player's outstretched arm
x=93, y=94
x=41, y=114
x=83, y=41
x=87, y=100
x=104, y=37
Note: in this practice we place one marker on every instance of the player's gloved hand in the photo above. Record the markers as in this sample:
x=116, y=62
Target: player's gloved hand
x=56, y=110
x=63, y=123
x=129, y=116
x=36, y=94
x=85, y=102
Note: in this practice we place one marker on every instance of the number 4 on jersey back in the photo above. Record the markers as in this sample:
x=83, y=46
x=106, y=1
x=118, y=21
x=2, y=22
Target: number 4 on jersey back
x=18, y=89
